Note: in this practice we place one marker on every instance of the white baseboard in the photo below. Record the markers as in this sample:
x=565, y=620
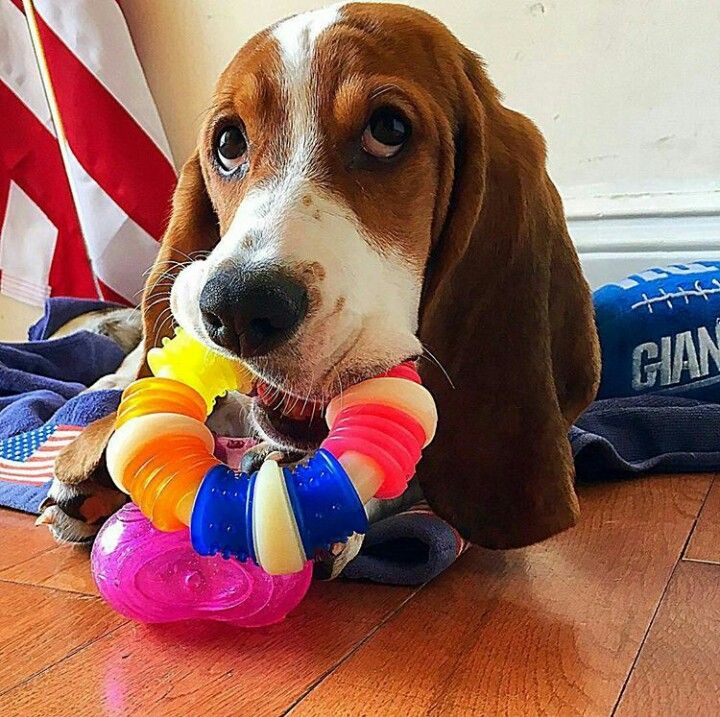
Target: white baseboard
x=621, y=234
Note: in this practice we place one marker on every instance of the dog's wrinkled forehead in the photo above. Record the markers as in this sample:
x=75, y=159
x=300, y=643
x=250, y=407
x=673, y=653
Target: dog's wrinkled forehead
x=273, y=87
x=304, y=91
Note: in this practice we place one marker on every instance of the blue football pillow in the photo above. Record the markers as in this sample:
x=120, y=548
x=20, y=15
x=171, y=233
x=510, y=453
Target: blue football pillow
x=660, y=332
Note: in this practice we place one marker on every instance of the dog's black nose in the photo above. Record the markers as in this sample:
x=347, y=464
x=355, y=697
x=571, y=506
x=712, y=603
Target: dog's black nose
x=251, y=313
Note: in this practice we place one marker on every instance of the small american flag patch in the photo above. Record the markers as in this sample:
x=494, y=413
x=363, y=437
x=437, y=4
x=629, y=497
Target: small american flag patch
x=29, y=458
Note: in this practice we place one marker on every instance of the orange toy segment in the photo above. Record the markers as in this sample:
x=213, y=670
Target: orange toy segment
x=164, y=490
x=177, y=497
x=159, y=395
x=163, y=474
x=147, y=457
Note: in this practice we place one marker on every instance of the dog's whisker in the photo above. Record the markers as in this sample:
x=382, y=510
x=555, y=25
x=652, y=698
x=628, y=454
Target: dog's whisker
x=171, y=319
x=166, y=286
x=194, y=255
x=164, y=262
x=156, y=300
x=149, y=307
x=160, y=317
x=436, y=361
x=167, y=314
x=164, y=275
x=340, y=386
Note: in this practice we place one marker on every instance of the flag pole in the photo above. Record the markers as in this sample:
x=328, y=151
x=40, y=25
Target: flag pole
x=57, y=121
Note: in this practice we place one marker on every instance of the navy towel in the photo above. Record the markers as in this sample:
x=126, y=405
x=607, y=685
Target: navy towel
x=623, y=437
x=42, y=407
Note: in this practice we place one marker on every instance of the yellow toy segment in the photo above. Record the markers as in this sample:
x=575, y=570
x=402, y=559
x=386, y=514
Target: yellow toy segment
x=185, y=359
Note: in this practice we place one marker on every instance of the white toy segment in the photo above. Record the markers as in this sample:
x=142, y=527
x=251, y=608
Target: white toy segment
x=410, y=397
x=364, y=473
x=278, y=547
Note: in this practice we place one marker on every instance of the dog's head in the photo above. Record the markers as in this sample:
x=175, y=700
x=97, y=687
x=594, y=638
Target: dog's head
x=327, y=161
x=357, y=184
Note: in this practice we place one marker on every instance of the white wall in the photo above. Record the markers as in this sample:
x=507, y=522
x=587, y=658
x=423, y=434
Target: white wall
x=625, y=91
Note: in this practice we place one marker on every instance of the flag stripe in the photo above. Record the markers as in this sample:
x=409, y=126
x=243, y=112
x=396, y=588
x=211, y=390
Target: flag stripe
x=32, y=160
x=26, y=481
x=14, y=289
x=96, y=33
x=112, y=236
x=116, y=153
x=10, y=468
x=112, y=295
x=18, y=65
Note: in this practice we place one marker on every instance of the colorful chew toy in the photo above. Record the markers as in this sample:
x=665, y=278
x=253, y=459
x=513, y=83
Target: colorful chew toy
x=161, y=454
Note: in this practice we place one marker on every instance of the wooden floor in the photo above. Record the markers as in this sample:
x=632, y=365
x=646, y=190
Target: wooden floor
x=620, y=615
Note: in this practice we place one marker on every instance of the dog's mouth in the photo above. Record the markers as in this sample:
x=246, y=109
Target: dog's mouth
x=294, y=422
x=289, y=420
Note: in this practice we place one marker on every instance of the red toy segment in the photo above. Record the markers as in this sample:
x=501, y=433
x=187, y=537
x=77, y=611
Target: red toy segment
x=406, y=370
x=386, y=435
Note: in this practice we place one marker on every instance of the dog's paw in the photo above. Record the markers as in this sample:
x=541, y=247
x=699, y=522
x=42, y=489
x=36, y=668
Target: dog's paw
x=255, y=456
x=74, y=513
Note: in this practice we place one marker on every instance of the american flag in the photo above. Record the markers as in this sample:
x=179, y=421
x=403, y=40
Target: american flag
x=86, y=173
x=29, y=458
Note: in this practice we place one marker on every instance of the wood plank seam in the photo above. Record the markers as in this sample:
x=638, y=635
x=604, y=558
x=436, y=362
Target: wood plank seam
x=702, y=562
x=644, y=639
x=8, y=581
x=31, y=557
x=677, y=672
x=651, y=622
x=6, y=576
x=695, y=526
x=347, y=655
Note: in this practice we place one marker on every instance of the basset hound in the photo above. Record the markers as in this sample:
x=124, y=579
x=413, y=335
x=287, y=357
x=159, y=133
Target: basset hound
x=360, y=196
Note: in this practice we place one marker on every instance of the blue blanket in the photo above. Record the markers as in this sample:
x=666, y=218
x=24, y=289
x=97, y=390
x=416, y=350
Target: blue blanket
x=41, y=405
x=42, y=409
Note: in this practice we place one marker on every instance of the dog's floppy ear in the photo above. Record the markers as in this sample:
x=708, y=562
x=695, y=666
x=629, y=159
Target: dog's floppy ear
x=192, y=230
x=508, y=314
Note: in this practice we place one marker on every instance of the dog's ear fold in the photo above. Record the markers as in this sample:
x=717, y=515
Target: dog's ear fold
x=508, y=314
x=193, y=228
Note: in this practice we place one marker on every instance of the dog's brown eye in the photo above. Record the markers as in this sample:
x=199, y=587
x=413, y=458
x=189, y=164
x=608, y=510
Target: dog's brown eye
x=230, y=149
x=386, y=133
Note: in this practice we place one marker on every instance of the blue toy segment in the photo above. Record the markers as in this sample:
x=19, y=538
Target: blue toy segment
x=221, y=516
x=660, y=332
x=326, y=505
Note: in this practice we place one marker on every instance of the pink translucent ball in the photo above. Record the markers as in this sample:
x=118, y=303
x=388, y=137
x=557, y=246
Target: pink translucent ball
x=152, y=576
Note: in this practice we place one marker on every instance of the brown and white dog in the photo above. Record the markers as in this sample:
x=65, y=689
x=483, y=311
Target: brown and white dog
x=360, y=196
